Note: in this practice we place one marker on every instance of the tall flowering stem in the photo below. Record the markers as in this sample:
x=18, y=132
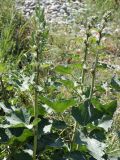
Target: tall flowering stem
x=94, y=69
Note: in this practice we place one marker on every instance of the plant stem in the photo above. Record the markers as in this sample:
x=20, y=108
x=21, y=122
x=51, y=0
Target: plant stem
x=73, y=135
x=84, y=61
x=39, y=39
x=82, y=79
x=95, y=65
x=36, y=106
x=5, y=97
x=85, y=57
x=93, y=77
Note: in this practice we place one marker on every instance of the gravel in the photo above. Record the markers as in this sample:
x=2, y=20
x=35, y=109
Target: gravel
x=56, y=11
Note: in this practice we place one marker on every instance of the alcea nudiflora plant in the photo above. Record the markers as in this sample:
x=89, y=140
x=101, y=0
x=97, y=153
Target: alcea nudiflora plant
x=38, y=41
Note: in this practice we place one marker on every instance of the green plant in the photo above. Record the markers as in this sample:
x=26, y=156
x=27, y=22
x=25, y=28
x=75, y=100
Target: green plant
x=39, y=37
x=48, y=108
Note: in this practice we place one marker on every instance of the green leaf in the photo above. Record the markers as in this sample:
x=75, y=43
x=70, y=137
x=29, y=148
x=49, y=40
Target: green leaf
x=3, y=135
x=110, y=108
x=106, y=109
x=80, y=138
x=61, y=106
x=15, y=131
x=98, y=134
x=76, y=155
x=100, y=88
x=9, y=88
x=96, y=148
x=36, y=121
x=22, y=155
x=67, y=83
x=58, y=105
x=75, y=66
x=2, y=68
x=97, y=104
x=22, y=138
x=63, y=69
x=51, y=140
x=5, y=109
x=106, y=124
x=59, y=124
x=19, y=118
x=86, y=113
x=42, y=124
x=115, y=83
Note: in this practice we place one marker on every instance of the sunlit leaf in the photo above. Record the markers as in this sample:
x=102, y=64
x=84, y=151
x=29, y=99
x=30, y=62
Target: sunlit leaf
x=19, y=118
x=106, y=124
x=2, y=68
x=67, y=83
x=96, y=148
x=63, y=69
x=108, y=108
x=22, y=138
x=5, y=109
x=59, y=105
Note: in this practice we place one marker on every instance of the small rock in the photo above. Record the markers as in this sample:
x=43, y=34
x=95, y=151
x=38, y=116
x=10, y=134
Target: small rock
x=55, y=10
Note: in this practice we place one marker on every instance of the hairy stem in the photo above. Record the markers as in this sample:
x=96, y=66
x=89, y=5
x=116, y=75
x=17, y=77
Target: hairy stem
x=84, y=61
x=73, y=136
x=36, y=106
x=93, y=77
x=82, y=78
x=95, y=65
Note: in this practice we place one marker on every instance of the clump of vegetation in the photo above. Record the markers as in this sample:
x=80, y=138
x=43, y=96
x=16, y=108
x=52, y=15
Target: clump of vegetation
x=57, y=97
